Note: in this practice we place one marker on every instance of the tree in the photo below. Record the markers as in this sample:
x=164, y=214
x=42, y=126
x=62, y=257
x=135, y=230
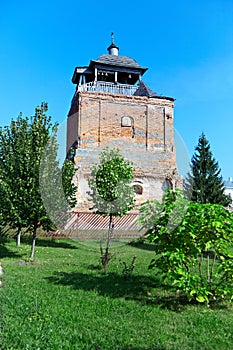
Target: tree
x=5, y=206
x=14, y=165
x=58, y=192
x=111, y=192
x=69, y=188
x=204, y=184
x=193, y=245
x=30, y=177
x=48, y=196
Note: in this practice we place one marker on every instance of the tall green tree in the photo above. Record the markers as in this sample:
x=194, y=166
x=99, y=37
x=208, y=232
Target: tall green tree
x=58, y=192
x=35, y=188
x=49, y=198
x=204, y=184
x=14, y=166
x=111, y=192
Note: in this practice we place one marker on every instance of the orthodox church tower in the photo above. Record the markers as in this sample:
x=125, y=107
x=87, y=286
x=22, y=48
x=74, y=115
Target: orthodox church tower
x=112, y=106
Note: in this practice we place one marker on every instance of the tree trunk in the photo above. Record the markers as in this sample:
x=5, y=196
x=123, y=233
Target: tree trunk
x=106, y=256
x=110, y=230
x=33, y=243
x=18, y=237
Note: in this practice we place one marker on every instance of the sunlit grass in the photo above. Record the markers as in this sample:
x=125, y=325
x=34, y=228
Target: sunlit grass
x=64, y=300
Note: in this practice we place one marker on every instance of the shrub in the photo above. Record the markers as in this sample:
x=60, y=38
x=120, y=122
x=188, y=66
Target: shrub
x=193, y=245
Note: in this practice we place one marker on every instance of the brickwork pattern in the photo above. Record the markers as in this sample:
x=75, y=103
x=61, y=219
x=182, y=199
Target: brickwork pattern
x=141, y=127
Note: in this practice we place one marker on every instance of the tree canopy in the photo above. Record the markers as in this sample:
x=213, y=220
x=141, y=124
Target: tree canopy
x=204, y=183
x=110, y=184
x=193, y=245
x=111, y=192
x=28, y=164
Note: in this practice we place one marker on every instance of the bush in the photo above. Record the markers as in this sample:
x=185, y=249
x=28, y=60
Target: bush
x=193, y=245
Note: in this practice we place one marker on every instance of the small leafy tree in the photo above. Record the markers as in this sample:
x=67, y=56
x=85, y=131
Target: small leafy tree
x=193, y=246
x=204, y=184
x=111, y=192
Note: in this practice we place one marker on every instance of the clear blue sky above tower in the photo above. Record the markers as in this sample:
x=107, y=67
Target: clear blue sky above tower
x=187, y=46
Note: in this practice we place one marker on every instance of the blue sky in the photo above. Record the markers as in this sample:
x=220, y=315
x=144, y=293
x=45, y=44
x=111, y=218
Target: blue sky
x=187, y=46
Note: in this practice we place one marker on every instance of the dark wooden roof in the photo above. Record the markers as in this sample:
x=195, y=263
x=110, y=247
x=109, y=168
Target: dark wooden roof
x=144, y=90
x=122, y=61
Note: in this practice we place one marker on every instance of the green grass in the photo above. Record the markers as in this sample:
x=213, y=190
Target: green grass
x=65, y=301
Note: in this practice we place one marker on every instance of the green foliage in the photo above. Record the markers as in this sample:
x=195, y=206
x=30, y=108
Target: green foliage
x=193, y=245
x=111, y=192
x=14, y=166
x=164, y=215
x=110, y=184
x=56, y=187
x=31, y=181
x=204, y=184
x=128, y=269
x=41, y=129
x=70, y=189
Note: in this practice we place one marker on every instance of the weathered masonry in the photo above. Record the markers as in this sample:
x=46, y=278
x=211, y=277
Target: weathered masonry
x=112, y=106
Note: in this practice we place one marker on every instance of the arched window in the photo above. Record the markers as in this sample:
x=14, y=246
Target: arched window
x=127, y=126
x=126, y=121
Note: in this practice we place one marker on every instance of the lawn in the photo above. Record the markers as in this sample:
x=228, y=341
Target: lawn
x=64, y=300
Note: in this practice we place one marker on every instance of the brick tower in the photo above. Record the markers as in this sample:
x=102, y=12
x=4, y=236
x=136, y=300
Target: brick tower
x=112, y=106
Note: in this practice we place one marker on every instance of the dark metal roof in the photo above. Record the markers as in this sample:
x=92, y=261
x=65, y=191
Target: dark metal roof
x=112, y=46
x=144, y=90
x=82, y=70
x=122, y=61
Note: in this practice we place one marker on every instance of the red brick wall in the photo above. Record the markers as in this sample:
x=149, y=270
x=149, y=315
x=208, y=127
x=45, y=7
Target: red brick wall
x=96, y=118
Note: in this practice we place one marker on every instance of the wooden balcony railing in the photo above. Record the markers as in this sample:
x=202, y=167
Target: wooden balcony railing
x=103, y=86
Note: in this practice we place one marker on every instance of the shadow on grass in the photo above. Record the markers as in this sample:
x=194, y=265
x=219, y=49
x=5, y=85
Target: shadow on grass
x=155, y=347
x=49, y=242
x=6, y=253
x=94, y=267
x=143, y=245
x=137, y=288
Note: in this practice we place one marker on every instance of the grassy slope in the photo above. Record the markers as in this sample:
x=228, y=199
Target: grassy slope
x=65, y=301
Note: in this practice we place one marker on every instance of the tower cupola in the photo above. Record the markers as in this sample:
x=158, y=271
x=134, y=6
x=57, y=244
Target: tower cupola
x=113, y=49
x=110, y=73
